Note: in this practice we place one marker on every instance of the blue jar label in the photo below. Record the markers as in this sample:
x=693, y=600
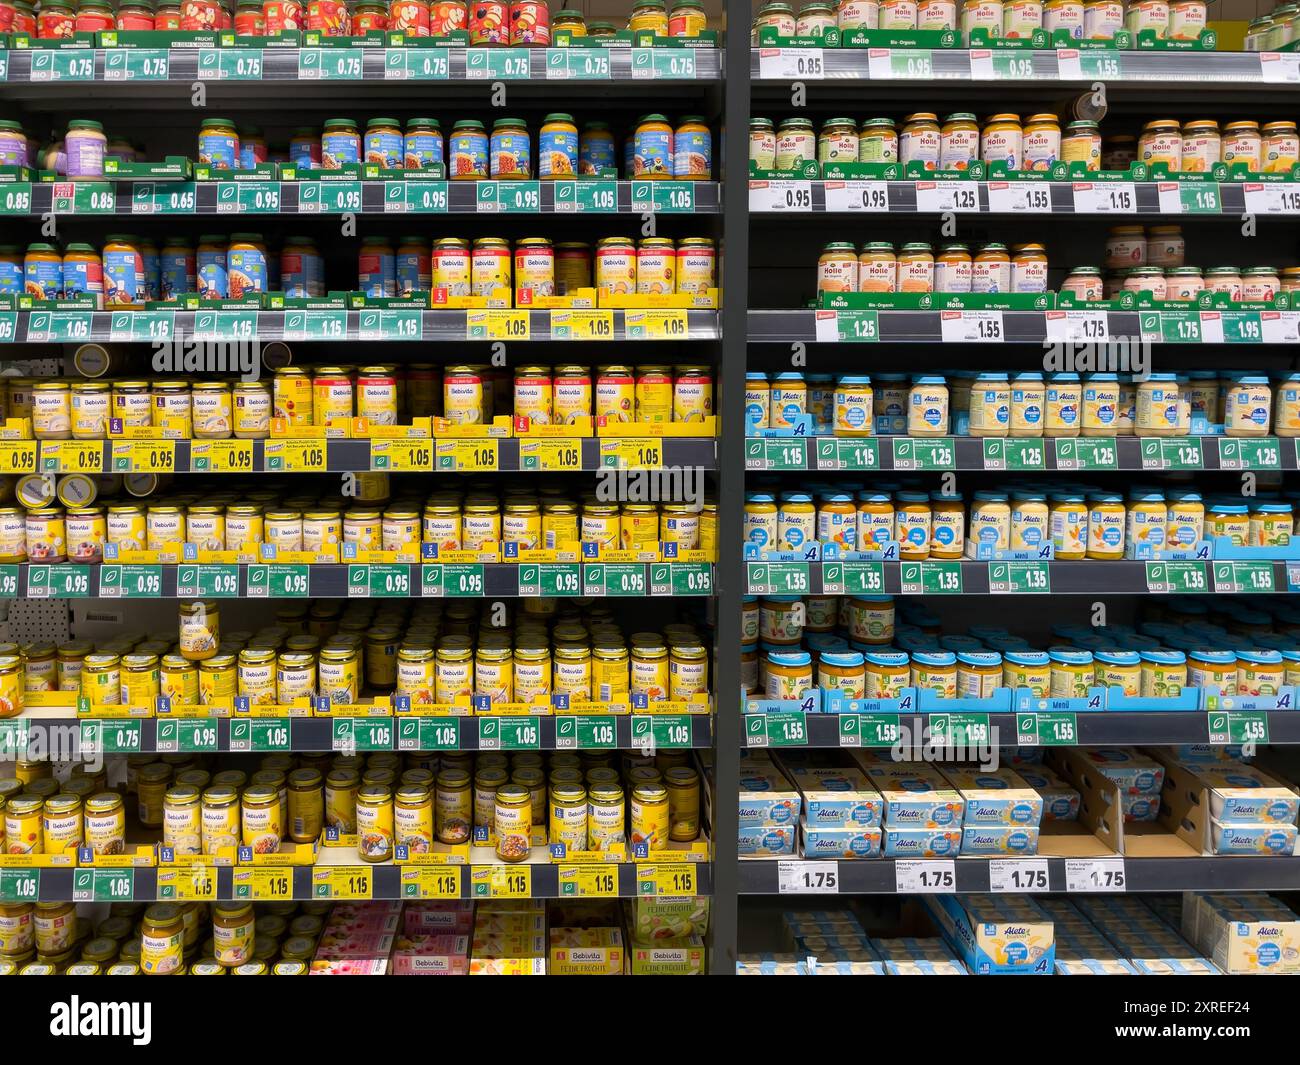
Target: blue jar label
x=693, y=155
x=423, y=151
x=469, y=155
x=219, y=150
x=652, y=154
x=339, y=149
x=557, y=154
x=212, y=278
x=511, y=155
x=123, y=277
x=384, y=148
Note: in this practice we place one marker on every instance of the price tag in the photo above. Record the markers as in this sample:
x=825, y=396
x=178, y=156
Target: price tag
x=780, y=196
x=656, y=325
x=586, y=197
x=1166, y=578
x=1018, y=876
x=1001, y=65
x=868, y=730
x=585, y=733
x=330, y=64
x=784, y=729
x=663, y=197
x=1020, y=578
x=1092, y=875
x=776, y=578
x=263, y=883
x=853, y=578
x=256, y=735
x=329, y=197
x=428, y=734
x=588, y=881
x=925, y=877
x=508, y=197
x=1262, y=453
x=498, y=64
x=1280, y=327
x=130, y=582
x=141, y=325
x=379, y=581
x=692, y=578
x=582, y=325
x=225, y=325
x=1271, y=198
x=663, y=64
x=1015, y=197
x=470, y=455
x=1243, y=577
x=807, y=878
x=112, y=737
x=1237, y=726
x=561, y=579
x=632, y=453
x=416, y=64
x=1104, y=197
x=840, y=453
x=248, y=197
x=148, y=197
x=401, y=455
x=915, y=453
x=887, y=64
x=20, y=885
x=1177, y=197
x=8, y=326
x=1239, y=327
x=1047, y=728
x=362, y=734
x=550, y=455
x=315, y=325
x=930, y=578
x=1077, y=325
x=577, y=64
x=971, y=327
x=850, y=196
x=230, y=64
x=102, y=885
x=185, y=735
x=221, y=456
x=16, y=199
x=415, y=197
x=343, y=882
x=1086, y=453
x=613, y=579
x=660, y=731
x=800, y=64
x=136, y=64
x=430, y=881
x=8, y=590
x=776, y=453
x=1009, y=453
x=390, y=325
x=59, y=326
x=278, y=582
x=207, y=582
x=144, y=456
x=1163, y=453
x=58, y=582
x=960, y=729
x=935, y=197
x=294, y=456
x=501, y=882
x=845, y=327
x=673, y=880
x=190, y=883
x=455, y=581
x=18, y=456
x=498, y=325
x=56, y=64
x=509, y=734
x=1073, y=64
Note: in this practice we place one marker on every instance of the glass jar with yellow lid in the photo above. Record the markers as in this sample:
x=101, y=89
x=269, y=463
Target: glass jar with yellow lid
x=1161, y=143
x=877, y=141
x=1160, y=407
x=1242, y=146
x=920, y=140
x=1280, y=150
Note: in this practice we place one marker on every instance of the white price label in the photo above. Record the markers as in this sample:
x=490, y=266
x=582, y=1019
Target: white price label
x=1211, y=327
x=1271, y=198
x=1078, y=325
x=944, y=196
x=808, y=878
x=828, y=327
x=1011, y=196
x=1094, y=874
x=928, y=877
x=1280, y=327
x=1105, y=197
x=1018, y=876
x=1278, y=67
x=780, y=196
x=857, y=195
x=800, y=63
x=972, y=327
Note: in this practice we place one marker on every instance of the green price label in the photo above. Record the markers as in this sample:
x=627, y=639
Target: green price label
x=911, y=453
x=53, y=64
x=248, y=197
x=560, y=579
x=653, y=731
x=230, y=64
x=663, y=197
x=208, y=582
x=498, y=64
x=112, y=737
x=279, y=582
x=1161, y=453
x=103, y=885
x=911, y=63
x=1236, y=453
x=616, y=579
x=1047, y=729
x=1012, y=66
x=838, y=453
x=16, y=198
x=577, y=64
x=1243, y=726
x=1171, y=327
x=663, y=64
x=331, y=64
x=416, y=64
x=415, y=197
x=1200, y=198
x=329, y=197
x=1243, y=577
x=1242, y=327
x=136, y=64
x=586, y=197
x=390, y=325
x=90, y=197
x=379, y=581
x=428, y=734
x=509, y=734
x=363, y=734
x=13, y=739
x=509, y=197
x=1020, y=578
x=130, y=582
x=315, y=325
x=776, y=453
x=784, y=729
x=692, y=578
x=141, y=325
x=452, y=580
x=930, y=578
x=225, y=325
x=59, y=326
x=256, y=735
x=186, y=735
x=1009, y=454
x=1170, y=578
x=585, y=732
x=868, y=730
x=8, y=326
x=853, y=578
x=778, y=578
x=58, y=582
x=956, y=730
x=20, y=885
x=857, y=327
x=8, y=582
x=1086, y=453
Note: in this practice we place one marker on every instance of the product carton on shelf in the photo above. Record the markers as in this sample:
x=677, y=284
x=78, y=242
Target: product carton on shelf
x=1244, y=934
x=586, y=952
x=996, y=934
x=431, y=955
x=668, y=957
x=859, y=841
x=915, y=796
x=997, y=797
x=836, y=797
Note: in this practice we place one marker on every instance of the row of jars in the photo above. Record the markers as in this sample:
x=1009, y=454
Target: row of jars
x=1270, y=32
x=916, y=267
x=524, y=23
x=1077, y=520
x=1028, y=404
x=1093, y=20
x=1194, y=147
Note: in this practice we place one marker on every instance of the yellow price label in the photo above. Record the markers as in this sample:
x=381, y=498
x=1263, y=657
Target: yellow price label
x=633, y=453
x=582, y=325
x=190, y=883
x=144, y=456
x=221, y=456
x=550, y=454
x=401, y=455
x=475, y=456
x=431, y=881
x=18, y=456
x=656, y=325
x=501, y=882
x=295, y=456
x=345, y=882
x=499, y=325
x=264, y=883
x=674, y=879
x=588, y=881
x=72, y=456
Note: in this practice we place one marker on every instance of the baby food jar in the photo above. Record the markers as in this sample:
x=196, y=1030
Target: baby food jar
x=959, y=141
x=921, y=140
x=1106, y=526
x=1073, y=672
x=843, y=671
x=837, y=141
x=1259, y=672
x=1068, y=518
x=990, y=405
x=990, y=523
x=1160, y=407
x=789, y=674
x=877, y=141
x=1028, y=398
x=935, y=671
x=1027, y=670
x=1271, y=525
x=1185, y=521
x=1119, y=669
x=979, y=674
x=887, y=674
x=1212, y=670
x=1242, y=146
x=1164, y=674
x=1248, y=406
x=1230, y=521
x=1001, y=141
x=927, y=406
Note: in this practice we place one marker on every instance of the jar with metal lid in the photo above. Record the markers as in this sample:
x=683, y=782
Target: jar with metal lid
x=151, y=787
x=513, y=822
x=105, y=823
x=796, y=144
x=260, y=819
x=1226, y=280
x=162, y=940
x=683, y=787
x=217, y=679
x=837, y=141
x=920, y=140
x=62, y=824
x=374, y=814
x=51, y=410
x=182, y=821
x=959, y=142
x=233, y=933
x=1161, y=143
x=650, y=817
x=89, y=407
x=1002, y=140
x=1280, y=148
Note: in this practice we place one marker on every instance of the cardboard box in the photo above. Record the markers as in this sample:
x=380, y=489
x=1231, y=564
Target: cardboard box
x=669, y=957
x=1133, y=772
x=916, y=797
x=1261, y=840
x=767, y=797
x=1060, y=801
x=432, y=955
x=996, y=797
x=824, y=842
x=999, y=839
x=586, y=952
x=767, y=841
x=438, y=917
x=1242, y=794
x=1245, y=939
x=921, y=842
x=837, y=798
x=994, y=935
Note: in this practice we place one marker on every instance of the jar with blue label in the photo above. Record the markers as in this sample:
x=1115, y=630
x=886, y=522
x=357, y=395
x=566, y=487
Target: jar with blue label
x=246, y=265
x=11, y=270
x=912, y=517
x=467, y=151
x=990, y=405
x=875, y=520
x=377, y=268
x=652, y=149
x=890, y=403
x=305, y=149
x=152, y=263
x=1185, y=524
x=789, y=400
x=219, y=144
x=340, y=144
x=760, y=523
x=758, y=398
x=1100, y=405
x=414, y=265
x=557, y=148
x=990, y=522
x=1248, y=406
x=692, y=150
x=42, y=271
x=1030, y=522
x=178, y=270
x=213, y=280
x=1144, y=531
x=252, y=148
x=301, y=269
x=385, y=146
x=510, y=150
x=797, y=522
x=1028, y=398
x=422, y=145
x=1160, y=407
x=837, y=522
x=821, y=402
x=83, y=272
x=596, y=150
x=1064, y=405
x=927, y=406
x=124, y=280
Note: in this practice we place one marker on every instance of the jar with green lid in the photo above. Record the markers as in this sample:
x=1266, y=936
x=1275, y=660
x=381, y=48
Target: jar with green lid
x=686, y=18
x=878, y=141
x=815, y=19
x=762, y=144
x=340, y=144
x=467, y=151
x=778, y=17
x=601, y=29
x=569, y=21
x=838, y=141
x=649, y=16
x=796, y=144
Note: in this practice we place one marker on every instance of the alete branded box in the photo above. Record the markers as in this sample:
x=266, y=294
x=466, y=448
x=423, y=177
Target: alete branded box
x=921, y=842
x=767, y=797
x=999, y=839
x=917, y=797
x=1260, y=839
x=767, y=841
x=996, y=797
x=1131, y=770
x=1060, y=801
x=996, y=934
x=836, y=798
x=1241, y=794
x=857, y=842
